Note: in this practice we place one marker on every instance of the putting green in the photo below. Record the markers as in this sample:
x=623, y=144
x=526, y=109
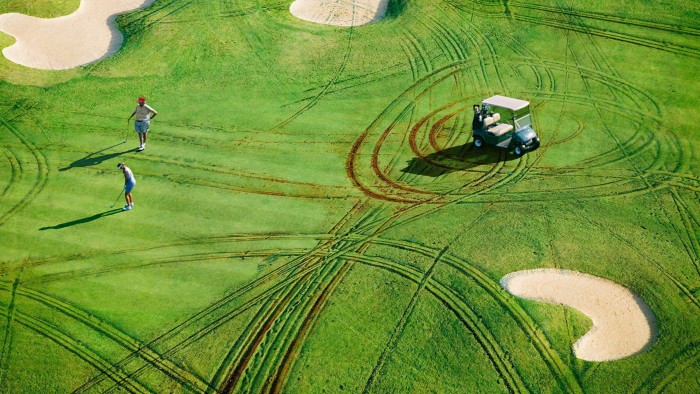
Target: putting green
x=310, y=214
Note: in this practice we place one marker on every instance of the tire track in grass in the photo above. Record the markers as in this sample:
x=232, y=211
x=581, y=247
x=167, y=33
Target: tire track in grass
x=690, y=238
x=453, y=48
x=175, y=340
x=118, y=337
x=205, y=322
x=231, y=369
x=582, y=14
x=640, y=173
x=488, y=56
x=233, y=379
x=216, y=315
x=41, y=176
x=489, y=45
x=191, y=241
x=290, y=328
x=564, y=375
x=310, y=302
x=351, y=162
x=554, y=361
x=662, y=149
x=15, y=172
x=351, y=166
x=460, y=308
x=199, y=333
x=371, y=224
x=273, y=365
x=400, y=326
x=331, y=83
x=426, y=62
x=7, y=339
x=676, y=49
x=212, y=326
x=78, y=349
x=278, y=379
x=623, y=241
x=354, y=82
x=252, y=343
x=156, y=13
x=511, y=42
x=285, y=188
x=592, y=49
x=310, y=319
x=653, y=110
x=415, y=54
x=234, y=353
x=200, y=257
x=668, y=372
x=381, y=176
x=384, y=226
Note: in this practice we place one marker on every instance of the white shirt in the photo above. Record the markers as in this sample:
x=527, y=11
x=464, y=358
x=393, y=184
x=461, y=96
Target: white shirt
x=128, y=175
x=144, y=113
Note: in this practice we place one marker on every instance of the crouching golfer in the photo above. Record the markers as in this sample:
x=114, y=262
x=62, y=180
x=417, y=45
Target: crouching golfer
x=144, y=113
x=129, y=183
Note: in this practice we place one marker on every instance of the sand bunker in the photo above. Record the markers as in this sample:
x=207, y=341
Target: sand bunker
x=85, y=36
x=623, y=324
x=339, y=12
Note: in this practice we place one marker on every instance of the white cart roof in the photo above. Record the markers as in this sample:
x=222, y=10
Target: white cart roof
x=506, y=102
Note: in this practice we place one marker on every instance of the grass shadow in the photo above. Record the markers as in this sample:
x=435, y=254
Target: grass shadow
x=395, y=8
x=94, y=159
x=83, y=220
x=454, y=159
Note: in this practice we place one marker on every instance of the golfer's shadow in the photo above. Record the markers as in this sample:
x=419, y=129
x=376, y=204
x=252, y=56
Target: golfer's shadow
x=454, y=159
x=94, y=159
x=83, y=220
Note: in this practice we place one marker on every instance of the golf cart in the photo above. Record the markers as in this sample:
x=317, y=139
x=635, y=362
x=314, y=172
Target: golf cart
x=505, y=123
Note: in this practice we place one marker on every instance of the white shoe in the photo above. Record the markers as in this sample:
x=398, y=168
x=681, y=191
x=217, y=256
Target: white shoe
x=140, y=147
x=132, y=204
x=126, y=208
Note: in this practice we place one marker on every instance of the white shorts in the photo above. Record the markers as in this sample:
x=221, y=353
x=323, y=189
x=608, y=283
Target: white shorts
x=141, y=126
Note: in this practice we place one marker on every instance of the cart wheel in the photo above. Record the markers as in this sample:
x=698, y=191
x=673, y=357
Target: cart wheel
x=518, y=150
x=478, y=142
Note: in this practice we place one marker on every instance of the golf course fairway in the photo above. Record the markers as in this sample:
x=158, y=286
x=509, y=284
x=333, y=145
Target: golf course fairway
x=310, y=213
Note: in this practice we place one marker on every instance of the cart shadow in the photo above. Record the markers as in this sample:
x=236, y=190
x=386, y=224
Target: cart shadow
x=83, y=220
x=94, y=159
x=454, y=159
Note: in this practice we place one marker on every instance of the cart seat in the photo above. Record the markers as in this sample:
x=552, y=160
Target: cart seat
x=500, y=129
x=488, y=121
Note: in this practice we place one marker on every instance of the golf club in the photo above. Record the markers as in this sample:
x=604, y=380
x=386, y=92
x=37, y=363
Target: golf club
x=115, y=201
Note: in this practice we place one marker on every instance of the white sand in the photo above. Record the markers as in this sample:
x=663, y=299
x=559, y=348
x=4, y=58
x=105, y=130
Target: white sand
x=85, y=36
x=623, y=324
x=340, y=12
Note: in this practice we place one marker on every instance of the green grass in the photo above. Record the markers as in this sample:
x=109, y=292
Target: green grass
x=40, y=8
x=307, y=219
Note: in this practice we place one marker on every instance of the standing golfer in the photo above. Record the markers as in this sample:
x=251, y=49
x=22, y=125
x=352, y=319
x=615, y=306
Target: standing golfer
x=144, y=113
x=129, y=183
